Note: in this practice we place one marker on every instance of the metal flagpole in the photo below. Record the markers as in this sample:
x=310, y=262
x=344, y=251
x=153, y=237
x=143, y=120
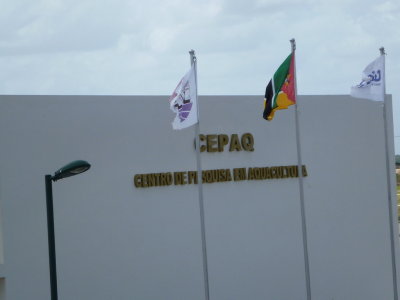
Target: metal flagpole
x=301, y=185
x=389, y=186
x=193, y=62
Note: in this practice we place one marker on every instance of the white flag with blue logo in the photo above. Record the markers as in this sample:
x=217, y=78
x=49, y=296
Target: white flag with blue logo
x=183, y=101
x=372, y=84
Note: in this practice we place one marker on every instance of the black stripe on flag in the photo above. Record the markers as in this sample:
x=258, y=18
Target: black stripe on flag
x=269, y=94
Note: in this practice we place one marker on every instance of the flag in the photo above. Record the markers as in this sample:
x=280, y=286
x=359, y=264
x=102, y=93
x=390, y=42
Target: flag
x=372, y=83
x=183, y=101
x=280, y=92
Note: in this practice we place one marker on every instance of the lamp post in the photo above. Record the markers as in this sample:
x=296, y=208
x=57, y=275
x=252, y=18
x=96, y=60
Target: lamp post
x=71, y=169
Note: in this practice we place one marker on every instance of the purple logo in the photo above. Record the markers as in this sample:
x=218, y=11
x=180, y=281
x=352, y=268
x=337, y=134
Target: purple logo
x=183, y=104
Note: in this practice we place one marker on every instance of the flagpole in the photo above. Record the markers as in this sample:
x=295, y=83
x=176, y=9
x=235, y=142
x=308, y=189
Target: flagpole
x=389, y=186
x=193, y=62
x=301, y=185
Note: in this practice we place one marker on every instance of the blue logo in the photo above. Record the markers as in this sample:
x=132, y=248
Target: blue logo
x=372, y=79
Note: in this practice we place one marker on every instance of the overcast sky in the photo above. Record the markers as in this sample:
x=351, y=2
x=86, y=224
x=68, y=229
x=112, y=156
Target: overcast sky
x=122, y=47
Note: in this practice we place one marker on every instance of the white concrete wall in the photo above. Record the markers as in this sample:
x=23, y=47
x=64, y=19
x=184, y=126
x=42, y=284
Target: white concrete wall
x=115, y=241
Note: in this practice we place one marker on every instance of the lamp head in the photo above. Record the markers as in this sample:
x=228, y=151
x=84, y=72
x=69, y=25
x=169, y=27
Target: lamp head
x=73, y=168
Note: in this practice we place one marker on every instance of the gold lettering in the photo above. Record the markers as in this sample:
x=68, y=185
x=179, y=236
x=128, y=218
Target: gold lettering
x=222, y=142
x=244, y=174
x=168, y=178
x=250, y=174
x=304, y=171
x=210, y=176
x=285, y=172
x=268, y=173
x=202, y=138
x=212, y=143
x=163, y=180
x=150, y=180
x=235, y=144
x=228, y=175
x=184, y=177
x=192, y=177
x=292, y=171
x=278, y=172
x=180, y=178
x=237, y=174
x=217, y=175
x=248, y=142
x=177, y=178
x=157, y=179
x=221, y=175
x=262, y=173
x=146, y=180
x=273, y=172
x=204, y=177
x=265, y=173
x=137, y=179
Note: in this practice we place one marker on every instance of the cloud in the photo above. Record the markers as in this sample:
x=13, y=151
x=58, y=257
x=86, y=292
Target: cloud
x=60, y=26
x=120, y=47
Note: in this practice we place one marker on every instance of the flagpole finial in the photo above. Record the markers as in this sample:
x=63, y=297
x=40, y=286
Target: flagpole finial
x=382, y=50
x=293, y=44
x=192, y=56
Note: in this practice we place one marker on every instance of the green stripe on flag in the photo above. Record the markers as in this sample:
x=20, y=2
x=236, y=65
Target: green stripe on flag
x=280, y=77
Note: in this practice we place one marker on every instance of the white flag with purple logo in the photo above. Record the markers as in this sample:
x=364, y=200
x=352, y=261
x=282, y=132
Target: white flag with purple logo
x=372, y=83
x=183, y=101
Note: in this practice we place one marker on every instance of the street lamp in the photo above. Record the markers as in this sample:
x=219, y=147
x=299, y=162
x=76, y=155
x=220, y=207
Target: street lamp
x=71, y=169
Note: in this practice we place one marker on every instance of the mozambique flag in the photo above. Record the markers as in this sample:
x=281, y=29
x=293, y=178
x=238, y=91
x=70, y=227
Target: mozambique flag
x=280, y=92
